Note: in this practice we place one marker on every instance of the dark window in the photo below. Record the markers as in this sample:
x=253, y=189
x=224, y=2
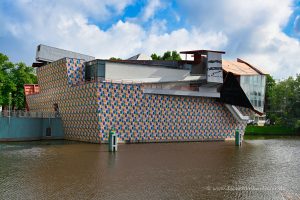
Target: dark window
x=48, y=132
x=56, y=109
x=55, y=106
x=94, y=70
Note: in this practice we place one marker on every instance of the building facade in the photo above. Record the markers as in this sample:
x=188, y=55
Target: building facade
x=144, y=101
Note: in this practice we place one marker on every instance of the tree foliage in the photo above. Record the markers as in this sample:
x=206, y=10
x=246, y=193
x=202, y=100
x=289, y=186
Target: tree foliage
x=270, y=84
x=113, y=58
x=167, y=56
x=283, y=99
x=13, y=76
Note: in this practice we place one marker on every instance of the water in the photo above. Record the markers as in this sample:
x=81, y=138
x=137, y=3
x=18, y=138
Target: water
x=260, y=169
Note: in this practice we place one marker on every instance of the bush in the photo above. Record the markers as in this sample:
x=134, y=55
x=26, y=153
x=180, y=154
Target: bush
x=269, y=130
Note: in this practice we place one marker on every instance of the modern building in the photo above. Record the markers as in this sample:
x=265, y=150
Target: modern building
x=253, y=82
x=150, y=101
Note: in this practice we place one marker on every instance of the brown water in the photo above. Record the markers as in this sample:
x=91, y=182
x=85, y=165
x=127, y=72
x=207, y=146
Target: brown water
x=260, y=169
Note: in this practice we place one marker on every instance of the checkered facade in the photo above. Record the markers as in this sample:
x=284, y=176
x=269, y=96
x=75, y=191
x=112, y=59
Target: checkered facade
x=90, y=110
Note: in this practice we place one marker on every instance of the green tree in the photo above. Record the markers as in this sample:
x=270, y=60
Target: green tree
x=168, y=55
x=6, y=83
x=12, y=80
x=270, y=84
x=154, y=56
x=284, y=101
x=113, y=58
x=21, y=75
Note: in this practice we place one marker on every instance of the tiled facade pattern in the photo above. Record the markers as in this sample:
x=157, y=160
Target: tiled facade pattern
x=77, y=104
x=89, y=111
x=142, y=117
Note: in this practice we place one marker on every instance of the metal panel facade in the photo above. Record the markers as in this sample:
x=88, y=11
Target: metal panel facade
x=214, y=67
x=50, y=54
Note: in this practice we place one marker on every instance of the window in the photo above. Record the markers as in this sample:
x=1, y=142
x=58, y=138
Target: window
x=254, y=88
x=101, y=70
x=94, y=70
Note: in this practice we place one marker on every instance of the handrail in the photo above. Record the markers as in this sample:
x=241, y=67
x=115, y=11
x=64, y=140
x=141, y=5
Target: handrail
x=236, y=113
x=27, y=114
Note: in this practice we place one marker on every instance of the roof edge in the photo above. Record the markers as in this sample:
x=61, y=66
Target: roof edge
x=254, y=68
x=202, y=51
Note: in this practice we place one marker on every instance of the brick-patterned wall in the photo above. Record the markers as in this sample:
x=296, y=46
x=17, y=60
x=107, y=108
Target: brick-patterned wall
x=77, y=104
x=89, y=111
x=142, y=117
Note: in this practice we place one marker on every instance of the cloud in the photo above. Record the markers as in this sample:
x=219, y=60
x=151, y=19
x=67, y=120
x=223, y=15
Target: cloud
x=233, y=15
x=183, y=39
x=253, y=28
x=250, y=30
x=148, y=12
x=158, y=26
x=150, y=9
x=71, y=30
x=58, y=23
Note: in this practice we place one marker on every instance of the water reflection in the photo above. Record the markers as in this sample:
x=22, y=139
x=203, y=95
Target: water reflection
x=111, y=161
x=260, y=169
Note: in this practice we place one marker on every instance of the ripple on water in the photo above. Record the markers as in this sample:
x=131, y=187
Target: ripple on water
x=260, y=169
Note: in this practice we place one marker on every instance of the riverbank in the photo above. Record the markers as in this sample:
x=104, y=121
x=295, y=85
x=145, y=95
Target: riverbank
x=252, y=130
x=30, y=128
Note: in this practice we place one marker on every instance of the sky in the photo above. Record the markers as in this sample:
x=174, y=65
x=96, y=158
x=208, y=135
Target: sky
x=265, y=33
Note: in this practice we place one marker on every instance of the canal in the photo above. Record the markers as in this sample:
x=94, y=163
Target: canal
x=260, y=169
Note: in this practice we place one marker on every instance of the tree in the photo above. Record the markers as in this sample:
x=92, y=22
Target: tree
x=168, y=55
x=12, y=80
x=113, y=58
x=6, y=83
x=21, y=75
x=270, y=84
x=284, y=101
x=154, y=56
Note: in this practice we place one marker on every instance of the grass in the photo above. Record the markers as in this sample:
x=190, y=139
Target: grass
x=270, y=130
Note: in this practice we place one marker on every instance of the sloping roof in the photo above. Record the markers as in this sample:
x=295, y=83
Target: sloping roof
x=201, y=52
x=241, y=67
x=46, y=53
x=139, y=57
x=237, y=68
x=257, y=69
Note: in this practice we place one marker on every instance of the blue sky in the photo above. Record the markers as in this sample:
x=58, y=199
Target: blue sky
x=265, y=33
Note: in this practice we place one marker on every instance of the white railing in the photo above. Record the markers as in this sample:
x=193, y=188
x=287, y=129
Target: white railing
x=28, y=114
x=236, y=113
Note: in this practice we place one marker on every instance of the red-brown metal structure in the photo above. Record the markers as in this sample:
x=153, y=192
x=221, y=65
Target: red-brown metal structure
x=30, y=89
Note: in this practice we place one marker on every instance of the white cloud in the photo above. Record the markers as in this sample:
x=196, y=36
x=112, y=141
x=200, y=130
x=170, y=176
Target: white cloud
x=71, y=30
x=251, y=30
x=182, y=39
x=150, y=9
x=158, y=26
x=148, y=12
x=60, y=23
x=254, y=31
x=233, y=15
